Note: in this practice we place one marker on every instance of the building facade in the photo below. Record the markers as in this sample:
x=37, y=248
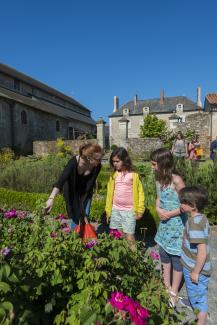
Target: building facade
x=32, y=111
x=210, y=106
x=125, y=122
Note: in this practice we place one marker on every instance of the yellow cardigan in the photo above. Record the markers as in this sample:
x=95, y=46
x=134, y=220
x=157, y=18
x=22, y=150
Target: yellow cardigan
x=138, y=194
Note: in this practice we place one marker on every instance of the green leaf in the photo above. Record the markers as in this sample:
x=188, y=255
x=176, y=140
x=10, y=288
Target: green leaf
x=4, y=287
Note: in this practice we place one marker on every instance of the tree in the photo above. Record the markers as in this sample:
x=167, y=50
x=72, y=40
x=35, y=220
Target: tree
x=153, y=127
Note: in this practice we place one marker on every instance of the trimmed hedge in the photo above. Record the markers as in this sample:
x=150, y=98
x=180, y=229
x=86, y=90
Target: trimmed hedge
x=27, y=201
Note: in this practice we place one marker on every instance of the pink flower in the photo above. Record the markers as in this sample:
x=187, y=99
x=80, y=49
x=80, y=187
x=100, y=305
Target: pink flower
x=154, y=255
x=138, y=314
x=66, y=229
x=60, y=217
x=120, y=301
x=10, y=214
x=21, y=214
x=90, y=244
x=5, y=251
x=53, y=234
x=115, y=233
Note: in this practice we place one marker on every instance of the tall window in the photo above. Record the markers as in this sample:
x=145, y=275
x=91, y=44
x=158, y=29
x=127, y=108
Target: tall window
x=16, y=84
x=23, y=117
x=57, y=126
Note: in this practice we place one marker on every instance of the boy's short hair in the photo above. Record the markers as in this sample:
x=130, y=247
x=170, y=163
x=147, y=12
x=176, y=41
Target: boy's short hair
x=194, y=196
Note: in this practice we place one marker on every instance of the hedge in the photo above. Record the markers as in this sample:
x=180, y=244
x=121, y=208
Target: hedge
x=27, y=201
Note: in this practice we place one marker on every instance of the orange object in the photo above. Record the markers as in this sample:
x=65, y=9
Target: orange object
x=86, y=231
x=199, y=151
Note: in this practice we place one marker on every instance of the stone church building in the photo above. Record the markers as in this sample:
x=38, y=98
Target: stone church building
x=31, y=110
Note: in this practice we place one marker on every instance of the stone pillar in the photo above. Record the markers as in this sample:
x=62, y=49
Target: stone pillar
x=123, y=127
x=100, y=124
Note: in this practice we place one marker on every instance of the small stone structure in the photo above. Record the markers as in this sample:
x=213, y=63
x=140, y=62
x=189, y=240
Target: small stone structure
x=140, y=148
x=43, y=148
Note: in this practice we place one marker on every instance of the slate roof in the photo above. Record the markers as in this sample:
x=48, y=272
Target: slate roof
x=44, y=106
x=21, y=76
x=168, y=106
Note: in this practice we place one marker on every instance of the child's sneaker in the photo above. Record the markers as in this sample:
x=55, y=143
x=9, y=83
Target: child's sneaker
x=184, y=302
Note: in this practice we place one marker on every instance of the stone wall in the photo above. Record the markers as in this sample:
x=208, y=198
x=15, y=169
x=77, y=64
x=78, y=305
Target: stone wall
x=43, y=148
x=141, y=147
x=199, y=122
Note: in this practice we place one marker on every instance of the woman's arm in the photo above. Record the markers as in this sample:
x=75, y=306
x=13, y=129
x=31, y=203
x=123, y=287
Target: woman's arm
x=50, y=201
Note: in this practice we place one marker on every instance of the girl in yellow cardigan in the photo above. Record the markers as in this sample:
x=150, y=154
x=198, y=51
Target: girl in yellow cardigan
x=125, y=195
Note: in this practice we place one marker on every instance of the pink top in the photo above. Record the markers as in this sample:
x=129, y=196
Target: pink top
x=123, y=193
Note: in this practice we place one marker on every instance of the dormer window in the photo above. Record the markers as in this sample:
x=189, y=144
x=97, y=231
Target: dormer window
x=145, y=110
x=125, y=111
x=179, y=108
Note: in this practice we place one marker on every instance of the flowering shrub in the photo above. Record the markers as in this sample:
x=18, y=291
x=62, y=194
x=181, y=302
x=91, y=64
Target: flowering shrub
x=50, y=276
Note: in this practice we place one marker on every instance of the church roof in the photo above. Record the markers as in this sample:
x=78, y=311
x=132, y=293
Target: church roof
x=44, y=106
x=35, y=83
x=155, y=106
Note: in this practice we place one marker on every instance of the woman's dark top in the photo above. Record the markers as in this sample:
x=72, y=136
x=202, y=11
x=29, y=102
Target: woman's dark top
x=77, y=189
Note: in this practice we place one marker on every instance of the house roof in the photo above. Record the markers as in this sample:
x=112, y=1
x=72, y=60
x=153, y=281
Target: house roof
x=47, y=107
x=19, y=75
x=212, y=98
x=155, y=107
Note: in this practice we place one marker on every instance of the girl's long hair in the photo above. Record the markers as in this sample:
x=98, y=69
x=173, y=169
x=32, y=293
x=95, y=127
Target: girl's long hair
x=165, y=163
x=123, y=155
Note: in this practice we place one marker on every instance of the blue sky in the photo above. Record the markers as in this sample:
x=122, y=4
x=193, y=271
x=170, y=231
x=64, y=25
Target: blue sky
x=93, y=50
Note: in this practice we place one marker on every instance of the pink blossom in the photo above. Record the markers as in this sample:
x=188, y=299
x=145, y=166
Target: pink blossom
x=138, y=314
x=90, y=244
x=60, y=217
x=53, y=234
x=10, y=214
x=66, y=229
x=116, y=233
x=154, y=255
x=21, y=214
x=120, y=301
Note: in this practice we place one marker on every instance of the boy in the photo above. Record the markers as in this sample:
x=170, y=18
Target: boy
x=195, y=249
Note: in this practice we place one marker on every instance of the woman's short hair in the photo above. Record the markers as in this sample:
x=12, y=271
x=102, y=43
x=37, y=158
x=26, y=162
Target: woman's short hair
x=89, y=149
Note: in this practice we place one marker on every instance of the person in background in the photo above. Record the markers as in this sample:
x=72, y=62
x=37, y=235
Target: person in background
x=77, y=182
x=170, y=231
x=125, y=195
x=191, y=150
x=179, y=148
x=213, y=149
x=195, y=249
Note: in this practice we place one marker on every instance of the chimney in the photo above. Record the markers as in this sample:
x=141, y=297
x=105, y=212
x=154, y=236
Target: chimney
x=161, y=97
x=135, y=100
x=199, y=103
x=116, y=104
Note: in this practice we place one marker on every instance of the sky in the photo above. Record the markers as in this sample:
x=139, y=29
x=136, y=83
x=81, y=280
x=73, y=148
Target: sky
x=94, y=50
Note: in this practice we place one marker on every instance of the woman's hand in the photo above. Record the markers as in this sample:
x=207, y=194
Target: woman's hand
x=48, y=206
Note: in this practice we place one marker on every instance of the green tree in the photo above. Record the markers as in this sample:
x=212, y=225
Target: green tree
x=153, y=127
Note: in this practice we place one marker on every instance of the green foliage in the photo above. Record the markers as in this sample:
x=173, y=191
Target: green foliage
x=6, y=155
x=62, y=149
x=152, y=127
x=197, y=173
x=113, y=147
x=32, y=174
x=56, y=280
x=27, y=201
